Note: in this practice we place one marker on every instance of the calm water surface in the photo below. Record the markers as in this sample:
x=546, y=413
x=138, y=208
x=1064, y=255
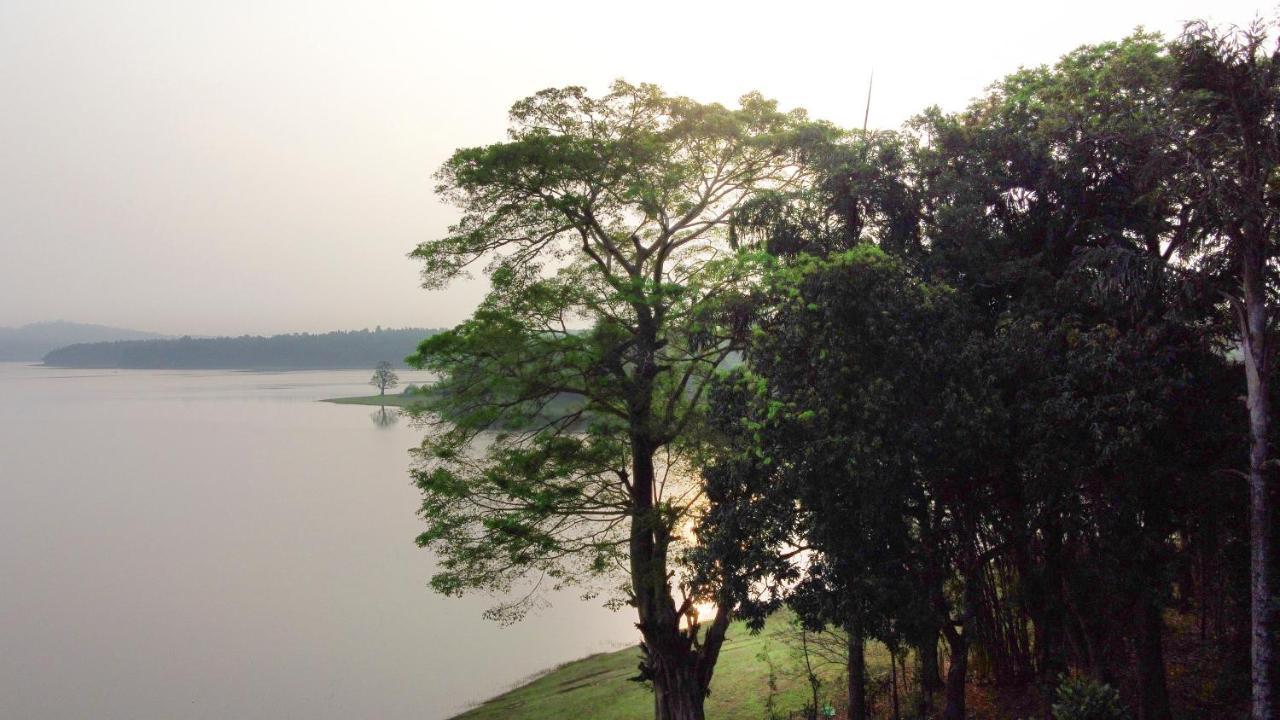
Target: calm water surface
x=219, y=545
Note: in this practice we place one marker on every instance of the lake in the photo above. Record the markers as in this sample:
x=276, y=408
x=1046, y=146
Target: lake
x=218, y=544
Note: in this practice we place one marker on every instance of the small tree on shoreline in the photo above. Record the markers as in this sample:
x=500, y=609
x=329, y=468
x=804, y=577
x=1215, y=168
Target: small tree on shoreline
x=384, y=377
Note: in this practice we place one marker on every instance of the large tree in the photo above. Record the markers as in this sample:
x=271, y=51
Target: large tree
x=1229, y=82
x=570, y=418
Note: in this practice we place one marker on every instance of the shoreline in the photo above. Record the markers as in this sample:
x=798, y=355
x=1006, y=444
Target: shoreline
x=401, y=401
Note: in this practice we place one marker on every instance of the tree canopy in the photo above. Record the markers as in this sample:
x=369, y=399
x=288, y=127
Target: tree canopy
x=574, y=395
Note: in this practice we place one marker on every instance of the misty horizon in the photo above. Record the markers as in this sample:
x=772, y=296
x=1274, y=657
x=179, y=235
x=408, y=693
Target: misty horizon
x=238, y=169
x=160, y=335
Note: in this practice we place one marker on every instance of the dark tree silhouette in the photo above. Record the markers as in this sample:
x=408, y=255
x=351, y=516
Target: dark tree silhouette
x=384, y=377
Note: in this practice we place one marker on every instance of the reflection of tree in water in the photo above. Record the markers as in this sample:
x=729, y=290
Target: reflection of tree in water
x=384, y=419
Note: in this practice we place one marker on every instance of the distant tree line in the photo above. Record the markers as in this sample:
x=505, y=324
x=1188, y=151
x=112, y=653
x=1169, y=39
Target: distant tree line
x=341, y=349
x=1004, y=398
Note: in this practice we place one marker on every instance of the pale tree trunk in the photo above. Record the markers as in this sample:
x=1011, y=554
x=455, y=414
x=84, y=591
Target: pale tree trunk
x=1241, y=80
x=1262, y=486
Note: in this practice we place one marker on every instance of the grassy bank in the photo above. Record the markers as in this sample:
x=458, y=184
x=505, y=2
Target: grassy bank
x=559, y=406
x=396, y=400
x=599, y=687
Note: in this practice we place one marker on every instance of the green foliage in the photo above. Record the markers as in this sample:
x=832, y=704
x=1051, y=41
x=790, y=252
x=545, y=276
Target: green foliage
x=861, y=378
x=771, y=683
x=623, y=165
x=569, y=412
x=402, y=400
x=986, y=373
x=1081, y=698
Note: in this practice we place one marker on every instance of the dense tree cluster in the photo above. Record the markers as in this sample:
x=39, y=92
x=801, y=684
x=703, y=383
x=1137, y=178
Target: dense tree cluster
x=999, y=405
x=972, y=389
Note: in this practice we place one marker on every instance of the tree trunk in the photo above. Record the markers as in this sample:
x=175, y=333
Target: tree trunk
x=1050, y=632
x=957, y=674
x=893, y=679
x=958, y=633
x=857, y=672
x=929, y=679
x=1203, y=554
x=1153, y=693
x=679, y=669
x=1263, y=495
x=1048, y=613
x=677, y=694
x=678, y=666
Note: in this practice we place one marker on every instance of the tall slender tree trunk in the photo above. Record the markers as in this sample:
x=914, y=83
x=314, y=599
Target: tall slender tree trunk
x=893, y=679
x=857, y=671
x=1047, y=607
x=1263, y=496
x=957, y=674
x=929, y=678
x=1241, y=79
x=814, y=683
x=1203, y=541
x=1050, y=632
x=1153, y=692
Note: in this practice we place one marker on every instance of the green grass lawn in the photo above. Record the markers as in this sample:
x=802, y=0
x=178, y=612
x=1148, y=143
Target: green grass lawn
x=598, y=687
x=395, y=400
x=559, y=405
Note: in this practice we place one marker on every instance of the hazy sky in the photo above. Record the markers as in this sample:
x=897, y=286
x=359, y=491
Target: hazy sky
x=224, y=167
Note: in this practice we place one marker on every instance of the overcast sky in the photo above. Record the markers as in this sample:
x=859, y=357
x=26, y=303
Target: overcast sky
x=226, y=167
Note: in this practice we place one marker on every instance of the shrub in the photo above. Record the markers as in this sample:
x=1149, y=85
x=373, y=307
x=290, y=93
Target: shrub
x=1081, y=698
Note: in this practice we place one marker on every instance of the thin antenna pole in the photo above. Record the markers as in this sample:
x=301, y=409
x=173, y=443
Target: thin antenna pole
x=867, y=114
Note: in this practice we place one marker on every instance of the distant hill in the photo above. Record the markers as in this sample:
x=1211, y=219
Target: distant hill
x=334, y=350
x=31, y=342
